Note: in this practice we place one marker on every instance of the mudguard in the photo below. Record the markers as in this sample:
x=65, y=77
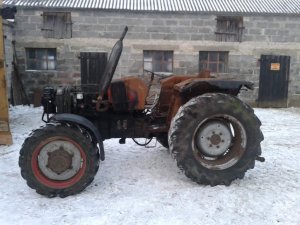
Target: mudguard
x=82, y=121
x=198, y=87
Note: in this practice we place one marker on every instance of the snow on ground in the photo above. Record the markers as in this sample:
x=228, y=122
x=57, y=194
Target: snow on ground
x=137, y=185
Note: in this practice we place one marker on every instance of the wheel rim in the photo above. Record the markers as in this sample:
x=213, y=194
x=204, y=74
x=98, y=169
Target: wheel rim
x=58, y=162
x=219, y=142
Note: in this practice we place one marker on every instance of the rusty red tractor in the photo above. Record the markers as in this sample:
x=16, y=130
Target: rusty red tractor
x=213, y=135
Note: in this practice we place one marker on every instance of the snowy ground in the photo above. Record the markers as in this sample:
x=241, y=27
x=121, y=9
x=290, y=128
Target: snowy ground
x=143, y=186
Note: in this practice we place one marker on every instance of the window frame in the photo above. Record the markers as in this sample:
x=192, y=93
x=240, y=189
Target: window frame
x=208, y=61
x=161, y=61
x=49, y=31
x=41, y=60
x=233, y=32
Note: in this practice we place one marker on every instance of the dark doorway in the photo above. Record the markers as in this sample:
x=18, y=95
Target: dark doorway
x=92, y=66
x=273, y=81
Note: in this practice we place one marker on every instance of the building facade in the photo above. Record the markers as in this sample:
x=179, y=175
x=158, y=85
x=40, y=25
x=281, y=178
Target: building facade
x=228, y=42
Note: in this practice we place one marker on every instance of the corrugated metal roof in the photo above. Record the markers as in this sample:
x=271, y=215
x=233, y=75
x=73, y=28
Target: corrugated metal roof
x=219, y=6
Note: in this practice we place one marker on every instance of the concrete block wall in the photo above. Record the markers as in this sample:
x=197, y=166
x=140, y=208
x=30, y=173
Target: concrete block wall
x=282, y=29
x=184, y=33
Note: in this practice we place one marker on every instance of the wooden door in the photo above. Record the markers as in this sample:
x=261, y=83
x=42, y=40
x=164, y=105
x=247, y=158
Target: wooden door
x=273, y=81
x=92, y=66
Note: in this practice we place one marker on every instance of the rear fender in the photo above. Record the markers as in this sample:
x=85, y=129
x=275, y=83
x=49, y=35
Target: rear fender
x=191, y=88
x=82, y=121
x=199, y=87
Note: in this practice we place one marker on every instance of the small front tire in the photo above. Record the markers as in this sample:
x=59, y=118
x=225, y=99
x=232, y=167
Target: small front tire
x=58, y=160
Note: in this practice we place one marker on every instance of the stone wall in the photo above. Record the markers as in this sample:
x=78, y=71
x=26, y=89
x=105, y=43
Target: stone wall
x=184, y=33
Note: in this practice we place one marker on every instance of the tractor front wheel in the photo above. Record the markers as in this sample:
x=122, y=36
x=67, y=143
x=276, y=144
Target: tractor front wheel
x=59, y=159
x=215, y=138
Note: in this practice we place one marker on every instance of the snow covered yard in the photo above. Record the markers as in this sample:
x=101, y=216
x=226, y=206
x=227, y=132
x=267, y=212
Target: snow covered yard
x=137, y=185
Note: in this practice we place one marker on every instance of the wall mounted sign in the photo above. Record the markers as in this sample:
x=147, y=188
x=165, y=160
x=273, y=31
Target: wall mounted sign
x=275, y=66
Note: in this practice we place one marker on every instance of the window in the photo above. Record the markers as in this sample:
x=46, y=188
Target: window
x=216, y=62
x=229, y=29
x=57, y=25
x=41, y=58
x=158, y=61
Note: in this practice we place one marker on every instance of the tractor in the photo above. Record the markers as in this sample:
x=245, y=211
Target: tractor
x=213, y=135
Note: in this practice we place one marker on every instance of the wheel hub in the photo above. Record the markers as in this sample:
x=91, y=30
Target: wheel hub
x=59, y=160
x=213, y=138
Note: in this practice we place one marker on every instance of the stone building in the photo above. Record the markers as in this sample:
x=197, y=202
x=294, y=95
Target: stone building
x=169, y=36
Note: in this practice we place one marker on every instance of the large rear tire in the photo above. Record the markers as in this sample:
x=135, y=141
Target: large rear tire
x=59, y=160
x=215, y=138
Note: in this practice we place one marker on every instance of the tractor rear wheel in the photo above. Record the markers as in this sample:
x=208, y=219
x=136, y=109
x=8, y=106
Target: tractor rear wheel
x=59, y=159
x=215, y=138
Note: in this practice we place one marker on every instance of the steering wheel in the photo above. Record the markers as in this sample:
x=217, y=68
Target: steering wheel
x=155, y=74
x=160, y=77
